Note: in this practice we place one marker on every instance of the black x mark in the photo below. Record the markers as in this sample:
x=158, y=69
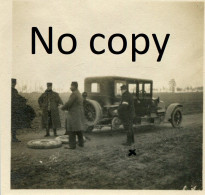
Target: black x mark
x=132, y=152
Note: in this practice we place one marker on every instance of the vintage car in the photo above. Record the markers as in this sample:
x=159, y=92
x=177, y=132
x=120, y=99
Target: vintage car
x=102, y=97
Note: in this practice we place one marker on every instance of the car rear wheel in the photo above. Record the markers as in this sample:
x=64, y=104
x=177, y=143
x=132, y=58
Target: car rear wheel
x=93, y=113
x=176, y=118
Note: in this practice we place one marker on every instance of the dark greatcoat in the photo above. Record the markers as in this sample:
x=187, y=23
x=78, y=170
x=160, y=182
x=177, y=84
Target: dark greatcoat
x=21, y=113
x=75, y=116
x=55, y=101
x=126, y=109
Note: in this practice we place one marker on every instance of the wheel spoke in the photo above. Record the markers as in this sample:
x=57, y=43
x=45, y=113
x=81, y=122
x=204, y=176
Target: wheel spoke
x=90, y=113
x=177, y=118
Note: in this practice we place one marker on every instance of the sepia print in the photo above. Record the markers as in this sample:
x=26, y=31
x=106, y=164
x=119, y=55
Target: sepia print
x=121, y=110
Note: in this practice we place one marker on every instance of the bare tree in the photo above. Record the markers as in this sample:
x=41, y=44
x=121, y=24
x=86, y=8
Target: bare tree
x=172, y=85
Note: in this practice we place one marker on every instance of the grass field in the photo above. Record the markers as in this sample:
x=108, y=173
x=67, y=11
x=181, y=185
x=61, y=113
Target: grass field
x=166, y=158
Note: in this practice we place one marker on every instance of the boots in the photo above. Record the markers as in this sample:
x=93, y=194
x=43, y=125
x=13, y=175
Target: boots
x=47, y=132
x=80, y=138
x=54, y=131
x=130, y=139
x=132, y=136
x=14, y=139
x=72, y=140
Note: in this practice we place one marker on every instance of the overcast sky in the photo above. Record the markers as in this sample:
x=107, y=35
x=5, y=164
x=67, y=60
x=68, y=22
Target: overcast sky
x=182, y=58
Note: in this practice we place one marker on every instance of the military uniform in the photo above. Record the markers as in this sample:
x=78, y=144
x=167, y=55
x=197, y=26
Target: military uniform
x=126, y=112
x=49, y=102
x=21, y=113
x=75, y=117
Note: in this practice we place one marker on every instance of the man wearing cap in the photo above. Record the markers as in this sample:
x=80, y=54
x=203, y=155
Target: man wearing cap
x=49, y=102
x=21, y=114
x=126, y=112
x=75, y=117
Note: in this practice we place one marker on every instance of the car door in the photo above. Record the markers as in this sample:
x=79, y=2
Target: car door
x=144, y=98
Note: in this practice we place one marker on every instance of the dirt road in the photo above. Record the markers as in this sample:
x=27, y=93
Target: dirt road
x=166, y=158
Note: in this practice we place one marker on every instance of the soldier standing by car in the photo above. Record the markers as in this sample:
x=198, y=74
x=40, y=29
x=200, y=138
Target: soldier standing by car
x=49, y=102
x=75, y=117
x=126, y=112
x=21, y=114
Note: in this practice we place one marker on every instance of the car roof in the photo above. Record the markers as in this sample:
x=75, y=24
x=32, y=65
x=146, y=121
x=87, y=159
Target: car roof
x=116, y=78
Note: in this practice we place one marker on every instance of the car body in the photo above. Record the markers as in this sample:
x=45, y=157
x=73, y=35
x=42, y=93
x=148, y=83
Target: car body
x=103, y=96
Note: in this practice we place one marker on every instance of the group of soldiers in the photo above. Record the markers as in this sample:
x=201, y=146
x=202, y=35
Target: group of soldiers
x=50, y=102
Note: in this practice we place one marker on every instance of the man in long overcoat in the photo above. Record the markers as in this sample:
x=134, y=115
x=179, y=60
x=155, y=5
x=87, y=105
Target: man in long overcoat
x=49, y=102
x=21, y=113
x=75, y=116
x=126, y=112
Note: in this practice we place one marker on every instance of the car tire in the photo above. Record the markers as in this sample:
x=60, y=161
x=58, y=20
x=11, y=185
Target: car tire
x=44, y=144
x=93, y=113
x=176, y=117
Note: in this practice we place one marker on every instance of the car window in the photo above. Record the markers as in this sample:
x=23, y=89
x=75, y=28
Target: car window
x=147, y=88
x=118, y=85
x=95, y=88
x=132, y=88
x=140, y=87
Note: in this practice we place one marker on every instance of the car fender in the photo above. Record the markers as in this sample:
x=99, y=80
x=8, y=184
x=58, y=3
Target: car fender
x=170, y=109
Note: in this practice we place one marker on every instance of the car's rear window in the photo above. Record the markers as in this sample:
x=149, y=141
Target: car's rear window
x=95, y=88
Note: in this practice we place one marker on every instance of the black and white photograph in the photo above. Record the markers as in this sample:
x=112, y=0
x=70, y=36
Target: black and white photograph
x=106, y=95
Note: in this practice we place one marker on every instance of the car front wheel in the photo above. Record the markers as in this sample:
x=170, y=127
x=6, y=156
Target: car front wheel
x=176, y=118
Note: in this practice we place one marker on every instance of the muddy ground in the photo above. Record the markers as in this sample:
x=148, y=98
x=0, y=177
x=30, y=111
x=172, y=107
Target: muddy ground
x=166, y=158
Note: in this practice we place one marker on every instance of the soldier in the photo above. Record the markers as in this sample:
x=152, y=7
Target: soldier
x=49, y=102
x=75, y=117
x=21, y=114
x=126, y=112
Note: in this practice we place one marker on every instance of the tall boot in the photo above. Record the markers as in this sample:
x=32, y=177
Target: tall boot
x=47, y=132
x=14, y=139
x=80, y=138
x=126, y=127
x=54, y=131
x=132, y=135
x=133, y=138
x=72, y=140
x=129, y=138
